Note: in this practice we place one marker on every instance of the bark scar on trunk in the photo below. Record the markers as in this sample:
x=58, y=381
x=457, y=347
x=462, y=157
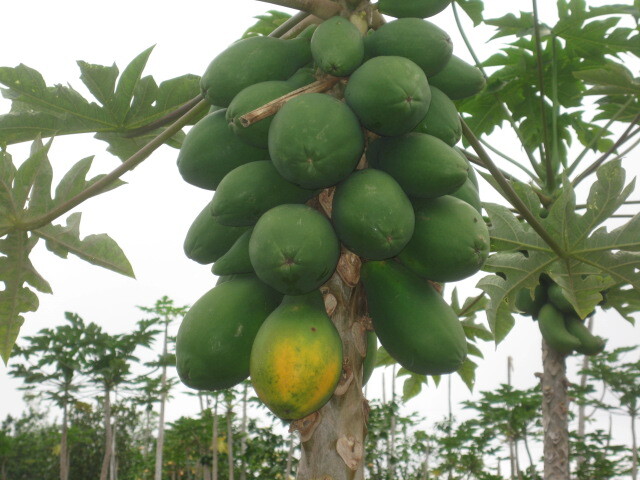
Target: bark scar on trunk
x=351, y=451
x=306, y=426
x=345, y=379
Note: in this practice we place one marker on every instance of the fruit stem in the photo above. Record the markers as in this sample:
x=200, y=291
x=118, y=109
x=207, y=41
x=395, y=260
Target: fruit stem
x=509, y=193
x=289, y=24
x=273, y=106
x=320, y=8
x=129, y=164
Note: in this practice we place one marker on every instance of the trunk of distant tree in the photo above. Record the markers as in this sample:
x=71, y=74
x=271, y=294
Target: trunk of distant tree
x=106, y=459
x=3, y=470
x=425, y=465
x=555, y=410
x=528, y=450
x=391, y=443
x=214, y=442
x=113, y=463
x=163, y=401
x=230, y=440
x=332, y=439
x=292, y=445
x=64, y=448
x=243, y=435
x=634, y=446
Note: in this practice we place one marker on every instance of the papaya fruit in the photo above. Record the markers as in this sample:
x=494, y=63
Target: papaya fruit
x=442, y=120
x=471, y=173
x=252, y=60
x=423, y=165
x=214, y=340
x=236, y=260
x=450, y=241
x=294, y=249
x=371, y=214
x=468, y=193
x=389, y=94
x=296, y=359
x=369, y=362
x=590, y=344
x=207, y=239
x=248, y=191
x=412, y=8
x=418, y=40
x=529, y=305
x=557, y=298
x=412, y=320
x=210, y=150
x=303, y=76
x=315, y=141
x=337, y=46
x=554, y=331
x=458, y=79
x=247, y=100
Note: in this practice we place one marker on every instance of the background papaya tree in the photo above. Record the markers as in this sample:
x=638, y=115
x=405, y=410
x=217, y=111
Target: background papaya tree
x=543, y=108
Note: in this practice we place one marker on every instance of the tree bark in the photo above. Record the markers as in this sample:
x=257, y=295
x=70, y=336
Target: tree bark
x=214, y=442
x=64, y=449
x=163, y=401
x=634, y=447
x=104, y=471
x=287, y=472
x=243, y=435
x=230, y=440
x=332, y=439
x=555, y=408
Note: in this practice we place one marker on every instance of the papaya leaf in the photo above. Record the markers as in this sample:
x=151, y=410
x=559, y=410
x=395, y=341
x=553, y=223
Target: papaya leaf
x=18, y=275
x=412, y=386
x=467, y=372
x=473, y=330
x=28, y=172
x=383, y=358
x=610, y=79
x=597, y=259
x=266, y=24
x=121, y=103
x=626, y=301
x=474, y=9
x=98, y=250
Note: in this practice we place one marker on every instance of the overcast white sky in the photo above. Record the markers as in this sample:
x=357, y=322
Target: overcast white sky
x=150, y=216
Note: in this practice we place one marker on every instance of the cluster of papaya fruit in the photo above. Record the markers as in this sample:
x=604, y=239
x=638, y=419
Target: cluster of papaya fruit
x=560, y=326
x=379, y=144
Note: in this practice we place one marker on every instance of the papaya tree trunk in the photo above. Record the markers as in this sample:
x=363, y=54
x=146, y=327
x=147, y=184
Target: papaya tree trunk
x=243, y=435
x=104, y=471
x=64, y=454
x=287, y=472
x=230, y=440
x=634, y=446
x=332, y=439
x=163, y=401
x=214, y=441
x=555, y=418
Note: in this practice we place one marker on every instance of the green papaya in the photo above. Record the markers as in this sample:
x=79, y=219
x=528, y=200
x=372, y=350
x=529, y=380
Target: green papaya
x=248, y=191
x=528, y=305
x=303, y=76
x=390, y=95
x=294, y=249
x=214, y=340
x=423, y=165
x=442, y=119
x=371, y=214
x=210, y=150
x=296, y=359
x=412, y=320
x=554, y=331
x=207, y=239
x=418, y=40
x=236, y=260
x=468, y=193
x=369, y=362
x=412, y=8
x=471, y=173
x=337, y=46
x=458, y=79
x=226, y=278
x=557, y=298
x=247, y=100
x=450, y=241
x=589, y=343
x=315, y=141
x=252, y=60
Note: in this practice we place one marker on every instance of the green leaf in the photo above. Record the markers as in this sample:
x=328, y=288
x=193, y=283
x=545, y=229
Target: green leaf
x=7, y=174
x=266, y=24
x=610, y=79
x=74, y=181
x=28, y=172
x=16, y=272
x=474, y=9
x=596, y=258
x=467, y=373
x=412, y=386
x=626, y=301
x=383, y=358
x=98, y=250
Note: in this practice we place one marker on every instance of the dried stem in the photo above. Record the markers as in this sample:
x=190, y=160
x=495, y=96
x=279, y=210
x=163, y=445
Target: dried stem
x=273, y=106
